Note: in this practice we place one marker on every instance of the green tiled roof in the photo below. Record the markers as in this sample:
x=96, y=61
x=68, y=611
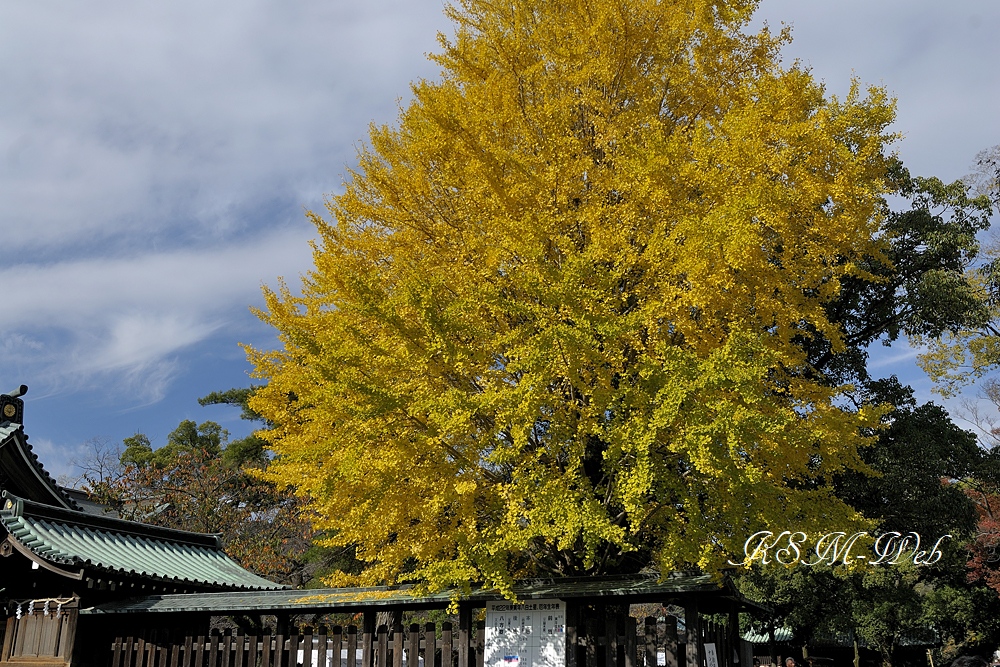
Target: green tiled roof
x=73, y=539
x=633, y=588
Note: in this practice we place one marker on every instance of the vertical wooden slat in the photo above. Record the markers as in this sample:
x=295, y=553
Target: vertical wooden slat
x=140, y=651
x=480, y=643
x=572, y=633
x=382, y=646
x=175, y=655
x=322, y=645
x=722, y=646
x=239, y=648
x=294, y=641
x=307, y=647
x=649, y=644
x=213, y=649
x=610, y=636
x=352, y=646
x=265, y=650
x=188, y=647
x=397, y=644
x=127, y=652
x=413, y=646
x=430, y=645
x=464, y=637
x=464, y=634
x=116, y=650
x=671, y=650
x=630, y=643
x=692, y=638
x=593, y=632
x=157, y=651
x=278, y=655
x=367, y=639
x=337, y=641
x=227, y=647
x=252, y=660
x=671, y=653
x=200, y=650
x=447, y=660
x=8, y=639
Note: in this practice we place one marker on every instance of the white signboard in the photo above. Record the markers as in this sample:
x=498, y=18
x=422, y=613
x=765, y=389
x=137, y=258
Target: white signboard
x=711, y=657
x=530, y=634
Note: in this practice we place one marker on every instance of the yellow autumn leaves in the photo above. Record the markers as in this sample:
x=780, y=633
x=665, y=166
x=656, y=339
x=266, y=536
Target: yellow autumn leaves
x=557, y=317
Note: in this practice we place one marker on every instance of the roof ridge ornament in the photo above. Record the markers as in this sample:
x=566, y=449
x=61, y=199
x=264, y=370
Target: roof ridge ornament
x=12, y=407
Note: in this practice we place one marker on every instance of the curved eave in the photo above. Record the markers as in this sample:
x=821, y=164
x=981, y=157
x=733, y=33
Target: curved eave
x=70, y=573
x=26, y=477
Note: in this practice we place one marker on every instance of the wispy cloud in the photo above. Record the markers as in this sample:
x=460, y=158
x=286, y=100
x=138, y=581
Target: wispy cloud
x=899, y=355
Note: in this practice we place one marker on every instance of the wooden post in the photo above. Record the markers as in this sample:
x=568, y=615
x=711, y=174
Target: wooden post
x=277, y=658
x=199, y=656
x=265, y=650
x=367, y=636
x=213, y=651
x=693, y=634
x=227, y=647
x=465, y=634
x=127, y=651
x=397, y=641
x=322, y=643
x=630, y=639
x=307, y=647
x=336, y=645
x=446, y=657
x=251, y=646
x=572, y=633
x=430, y=645
x=611, y=613
x=735, y=638
x=591, y=633
x=382, y=642
x=649, y=642
x=352, y=646
x=671, y=652
x=412, y=646
x=480, y=643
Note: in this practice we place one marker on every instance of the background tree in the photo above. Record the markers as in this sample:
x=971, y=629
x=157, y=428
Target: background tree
x=969, y=353
x=202, y=482
x=923, y=463
x=565, y=316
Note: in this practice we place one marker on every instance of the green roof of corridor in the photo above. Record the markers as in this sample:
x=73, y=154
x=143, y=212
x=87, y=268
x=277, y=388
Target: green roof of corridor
x=73, y=539
x=610, y=589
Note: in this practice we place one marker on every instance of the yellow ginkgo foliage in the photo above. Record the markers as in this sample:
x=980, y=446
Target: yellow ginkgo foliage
x=557, y=317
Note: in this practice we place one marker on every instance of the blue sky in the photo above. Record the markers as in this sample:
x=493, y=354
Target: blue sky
x=156, y=160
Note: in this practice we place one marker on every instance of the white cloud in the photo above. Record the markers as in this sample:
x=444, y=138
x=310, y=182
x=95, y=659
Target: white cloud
x=121, y=322
x=135, y=120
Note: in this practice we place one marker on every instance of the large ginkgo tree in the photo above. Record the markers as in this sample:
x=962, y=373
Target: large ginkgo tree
x=564, y=317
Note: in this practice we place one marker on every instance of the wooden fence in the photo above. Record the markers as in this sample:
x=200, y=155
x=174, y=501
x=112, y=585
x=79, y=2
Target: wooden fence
x=592, y=642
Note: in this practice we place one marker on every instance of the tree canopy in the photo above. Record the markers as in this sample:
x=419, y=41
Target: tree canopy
x=580, y=310
x=200, y=481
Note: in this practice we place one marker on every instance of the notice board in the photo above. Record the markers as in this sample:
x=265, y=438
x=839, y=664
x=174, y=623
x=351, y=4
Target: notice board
x=530, y=634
